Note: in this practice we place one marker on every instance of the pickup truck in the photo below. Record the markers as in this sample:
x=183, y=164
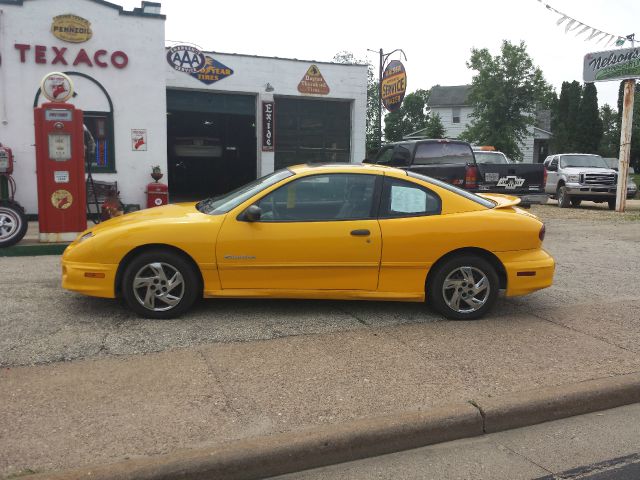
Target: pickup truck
x=574, y=177
x=453, y=161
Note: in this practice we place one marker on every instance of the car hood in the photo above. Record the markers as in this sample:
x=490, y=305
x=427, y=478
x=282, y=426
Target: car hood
x=578, y=170
x=173, y=213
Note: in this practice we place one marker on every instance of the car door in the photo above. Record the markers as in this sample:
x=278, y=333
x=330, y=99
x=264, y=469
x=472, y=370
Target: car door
x=552, y=175
x=317, y=232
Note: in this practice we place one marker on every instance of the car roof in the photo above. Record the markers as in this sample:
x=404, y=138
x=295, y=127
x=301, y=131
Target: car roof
x=345, y=168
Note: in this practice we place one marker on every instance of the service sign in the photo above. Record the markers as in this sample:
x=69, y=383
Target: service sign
x=267, y=126
x=313, y=82
x=71, y=28
x=394, y=85
x=618, y=64
x=56, y=87
x=139, y=139
x=212, y=71
x=185, y=58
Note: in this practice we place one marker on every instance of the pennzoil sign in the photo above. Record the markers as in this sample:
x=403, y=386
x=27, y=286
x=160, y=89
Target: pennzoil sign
x=71, y=28
x=394, y=85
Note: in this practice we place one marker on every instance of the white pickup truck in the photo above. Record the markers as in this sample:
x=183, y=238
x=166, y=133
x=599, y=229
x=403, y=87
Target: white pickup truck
x=574, y=177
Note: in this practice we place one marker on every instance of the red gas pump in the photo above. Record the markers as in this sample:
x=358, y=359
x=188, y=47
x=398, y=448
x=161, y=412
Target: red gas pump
x=60, y=166
x=157, y=194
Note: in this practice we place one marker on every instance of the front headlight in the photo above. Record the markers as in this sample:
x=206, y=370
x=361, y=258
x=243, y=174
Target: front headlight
x=573, y=178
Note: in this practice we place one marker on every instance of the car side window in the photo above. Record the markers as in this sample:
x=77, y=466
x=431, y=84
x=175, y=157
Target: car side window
x=385, y=155
x=406, y=199
x=324, y=197
x=554, y=162
x=401, y=156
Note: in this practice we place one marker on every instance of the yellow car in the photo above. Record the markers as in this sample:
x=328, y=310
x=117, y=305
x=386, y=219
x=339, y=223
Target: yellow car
x=347, y=232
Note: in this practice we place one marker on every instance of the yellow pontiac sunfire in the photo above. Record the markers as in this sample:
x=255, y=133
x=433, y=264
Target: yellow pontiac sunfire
x=361, y=232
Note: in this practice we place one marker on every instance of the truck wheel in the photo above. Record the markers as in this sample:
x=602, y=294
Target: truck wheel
x=160, y=284
x=463, y=288
x=612, y=204
x=575, y=202
x=13, y=223
x=564, y=200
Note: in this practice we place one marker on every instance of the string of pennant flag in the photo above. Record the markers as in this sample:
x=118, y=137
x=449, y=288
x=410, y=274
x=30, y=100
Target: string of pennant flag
x=590, y=33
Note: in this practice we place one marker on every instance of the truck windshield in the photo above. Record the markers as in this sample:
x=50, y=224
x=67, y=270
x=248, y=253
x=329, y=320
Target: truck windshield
x=593, y=161
x=495, y=158
x=224, y=203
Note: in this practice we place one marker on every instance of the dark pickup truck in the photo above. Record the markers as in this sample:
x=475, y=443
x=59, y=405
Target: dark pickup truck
x=453, y=161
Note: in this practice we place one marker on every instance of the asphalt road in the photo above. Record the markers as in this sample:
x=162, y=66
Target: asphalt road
x=598, y=258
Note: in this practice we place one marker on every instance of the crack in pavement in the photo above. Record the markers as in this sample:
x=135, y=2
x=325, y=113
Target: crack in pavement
x=227, y=401
x=521, y=455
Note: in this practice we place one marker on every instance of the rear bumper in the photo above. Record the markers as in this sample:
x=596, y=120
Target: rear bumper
x=534, y=198
x=527, y=271
x=94, y=279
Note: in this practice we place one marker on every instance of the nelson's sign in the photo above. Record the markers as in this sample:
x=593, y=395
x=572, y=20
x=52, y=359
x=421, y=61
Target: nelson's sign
x=618, y=64
x=61, y=56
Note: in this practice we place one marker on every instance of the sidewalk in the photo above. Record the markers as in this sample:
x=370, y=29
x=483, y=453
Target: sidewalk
x=88, y=412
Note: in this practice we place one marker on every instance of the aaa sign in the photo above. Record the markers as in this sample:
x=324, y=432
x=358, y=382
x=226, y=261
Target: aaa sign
x=394, y=85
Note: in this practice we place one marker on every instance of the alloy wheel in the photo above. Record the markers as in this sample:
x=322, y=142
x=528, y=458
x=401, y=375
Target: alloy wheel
x=158, y=286
x=10, y=223
x=466, y=289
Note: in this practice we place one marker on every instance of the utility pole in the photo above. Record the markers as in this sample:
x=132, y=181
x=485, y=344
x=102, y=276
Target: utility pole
x=625, y=144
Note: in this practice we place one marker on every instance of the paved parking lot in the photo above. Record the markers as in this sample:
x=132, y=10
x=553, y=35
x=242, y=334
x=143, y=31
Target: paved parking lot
x=598, y=256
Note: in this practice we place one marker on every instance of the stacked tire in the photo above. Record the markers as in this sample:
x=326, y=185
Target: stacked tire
x=13, y=223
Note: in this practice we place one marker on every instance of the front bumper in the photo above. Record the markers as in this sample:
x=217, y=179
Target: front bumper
x=94, y=279
x=527, y=271
x=577, y=190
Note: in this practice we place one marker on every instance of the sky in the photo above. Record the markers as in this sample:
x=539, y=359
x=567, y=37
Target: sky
x=437, y=37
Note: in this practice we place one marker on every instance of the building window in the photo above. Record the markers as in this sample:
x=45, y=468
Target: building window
x=100, y=124
x=455, y=112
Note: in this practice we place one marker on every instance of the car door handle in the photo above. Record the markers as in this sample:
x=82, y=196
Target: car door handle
x=360, y=233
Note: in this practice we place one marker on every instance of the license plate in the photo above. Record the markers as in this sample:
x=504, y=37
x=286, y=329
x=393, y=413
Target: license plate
x=491, y=177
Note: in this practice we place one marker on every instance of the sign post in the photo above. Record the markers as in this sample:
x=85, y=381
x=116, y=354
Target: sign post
x=621, y=64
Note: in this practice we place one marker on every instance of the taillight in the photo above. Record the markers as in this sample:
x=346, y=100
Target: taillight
x=471, y=177
x=544, y=181
x=542, y=233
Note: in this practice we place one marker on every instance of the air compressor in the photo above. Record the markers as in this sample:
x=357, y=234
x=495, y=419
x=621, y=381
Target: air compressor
x=13, y=221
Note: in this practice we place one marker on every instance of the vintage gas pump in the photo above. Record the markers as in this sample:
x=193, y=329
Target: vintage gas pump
x=60, y=163
x=13, y=222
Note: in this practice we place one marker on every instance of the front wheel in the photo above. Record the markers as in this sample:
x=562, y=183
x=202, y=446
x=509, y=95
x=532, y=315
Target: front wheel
x=463, y=288
x=160, y=284
x=564, y=200
x=13, y=223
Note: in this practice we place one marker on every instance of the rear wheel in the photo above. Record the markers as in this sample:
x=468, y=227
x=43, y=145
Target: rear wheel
x=13, y=223
x=612, y=204
x=575, y=202
x=563, y=197
x=463, y=288
x=160, y=284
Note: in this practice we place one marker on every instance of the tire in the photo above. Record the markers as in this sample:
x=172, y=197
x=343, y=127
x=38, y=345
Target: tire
x=153, y=271
x=13, y=223
x=454, y=274
x=575, y=202
x=563, y=198
x=612, y=204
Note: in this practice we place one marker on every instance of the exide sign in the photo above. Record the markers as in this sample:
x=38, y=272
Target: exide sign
x=60, y=56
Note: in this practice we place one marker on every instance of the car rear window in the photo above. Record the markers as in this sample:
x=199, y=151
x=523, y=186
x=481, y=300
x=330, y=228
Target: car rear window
x=443, y=153
x=466, y=194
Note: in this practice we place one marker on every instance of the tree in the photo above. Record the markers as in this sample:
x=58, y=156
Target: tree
x=410, y=117
x=505, y=92
x=565, y=118
x=373, y=92
x=589, y=124
x=610, y=141
x=435, y=128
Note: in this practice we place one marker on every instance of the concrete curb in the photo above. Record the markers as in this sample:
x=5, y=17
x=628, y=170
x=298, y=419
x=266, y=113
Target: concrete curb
x=291, y=452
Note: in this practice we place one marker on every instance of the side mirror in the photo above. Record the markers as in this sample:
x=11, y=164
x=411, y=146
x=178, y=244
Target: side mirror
x=253, y=213
x=552, y=168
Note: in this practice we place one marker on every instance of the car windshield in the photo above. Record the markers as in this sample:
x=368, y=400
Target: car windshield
x=593, y=161
x=224, y=203
x=464, y=193
x=497, y=158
